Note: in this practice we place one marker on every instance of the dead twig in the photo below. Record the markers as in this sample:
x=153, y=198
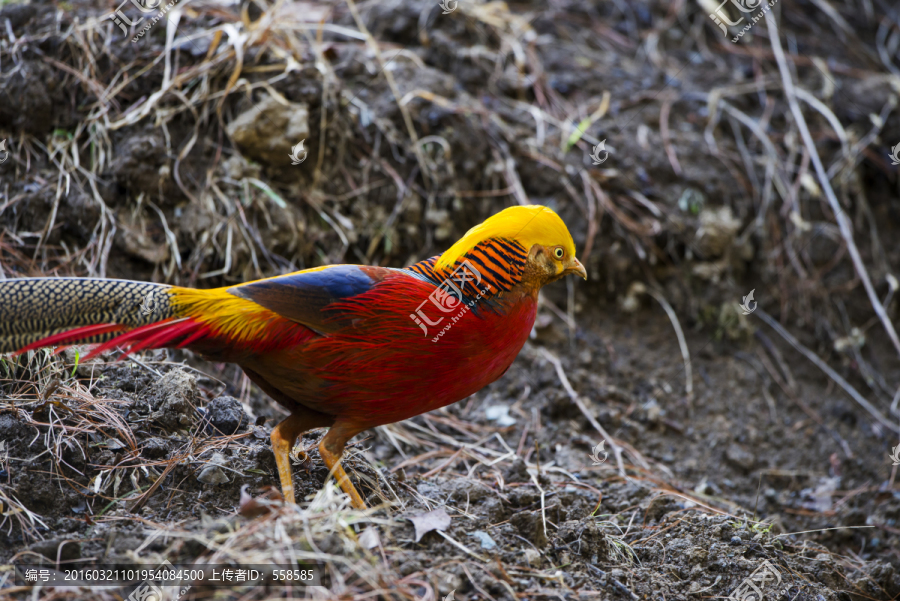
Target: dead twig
x=881, y=419
x=560, y=372
x=682, y=343
x=664, y=111
x=846, y=228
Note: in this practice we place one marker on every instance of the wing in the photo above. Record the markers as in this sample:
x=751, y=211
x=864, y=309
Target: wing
x=305, y=296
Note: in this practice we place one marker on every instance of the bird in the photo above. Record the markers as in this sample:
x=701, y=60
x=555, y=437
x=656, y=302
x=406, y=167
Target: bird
x=344, y=347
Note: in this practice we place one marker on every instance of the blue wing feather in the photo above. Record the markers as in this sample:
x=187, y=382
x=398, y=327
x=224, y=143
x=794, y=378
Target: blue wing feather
x=302, y=296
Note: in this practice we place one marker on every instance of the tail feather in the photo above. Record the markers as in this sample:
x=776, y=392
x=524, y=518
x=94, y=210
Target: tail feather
x=85, y=334
x=39, y=312
x=69, y=310
x=130, y=339
x=172, y=335
x=169, y=332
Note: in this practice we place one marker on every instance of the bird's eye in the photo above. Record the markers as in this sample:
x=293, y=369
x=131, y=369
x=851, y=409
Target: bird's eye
x=558, y=253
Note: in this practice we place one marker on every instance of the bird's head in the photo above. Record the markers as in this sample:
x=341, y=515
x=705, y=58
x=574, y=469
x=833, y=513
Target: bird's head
x=541, y=236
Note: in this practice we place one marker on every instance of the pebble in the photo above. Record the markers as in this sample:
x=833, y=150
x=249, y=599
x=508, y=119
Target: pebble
x=485, y=539
x=212, y=473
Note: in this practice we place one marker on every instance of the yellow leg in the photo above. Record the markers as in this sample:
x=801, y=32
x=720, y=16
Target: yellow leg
x=331, y=448
x=284, y=435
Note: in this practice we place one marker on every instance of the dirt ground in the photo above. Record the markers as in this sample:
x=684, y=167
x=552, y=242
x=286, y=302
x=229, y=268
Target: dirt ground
x=736, y=443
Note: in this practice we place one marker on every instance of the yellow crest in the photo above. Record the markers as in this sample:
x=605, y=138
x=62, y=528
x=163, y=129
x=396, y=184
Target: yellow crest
x=527, y=225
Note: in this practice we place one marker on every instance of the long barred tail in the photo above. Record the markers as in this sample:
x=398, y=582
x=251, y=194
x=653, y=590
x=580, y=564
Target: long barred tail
x=37, y=312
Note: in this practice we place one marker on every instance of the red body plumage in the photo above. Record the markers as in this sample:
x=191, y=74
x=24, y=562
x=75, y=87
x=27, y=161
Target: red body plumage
x=344, y=346
x=378, y=367
x=384, y=369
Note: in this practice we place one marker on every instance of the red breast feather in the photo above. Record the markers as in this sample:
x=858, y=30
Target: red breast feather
x=384, y=368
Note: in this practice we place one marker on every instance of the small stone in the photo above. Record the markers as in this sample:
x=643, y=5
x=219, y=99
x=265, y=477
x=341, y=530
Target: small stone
x=173, y=398
x=213, y=473
x=226, y=414
x=155, y=448
x=739, y=457
x=485, y=539
x=266, y=131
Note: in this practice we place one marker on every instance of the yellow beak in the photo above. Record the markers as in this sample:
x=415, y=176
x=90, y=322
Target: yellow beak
x=577, y=268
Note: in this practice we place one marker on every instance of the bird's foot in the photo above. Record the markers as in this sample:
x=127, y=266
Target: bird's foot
x=333, y=461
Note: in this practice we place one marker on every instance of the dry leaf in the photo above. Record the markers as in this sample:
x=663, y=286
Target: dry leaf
x=369, y=539
x=251, y=508
x=433, y=520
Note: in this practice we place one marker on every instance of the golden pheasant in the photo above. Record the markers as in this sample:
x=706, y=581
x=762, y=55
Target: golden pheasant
x=347, y=347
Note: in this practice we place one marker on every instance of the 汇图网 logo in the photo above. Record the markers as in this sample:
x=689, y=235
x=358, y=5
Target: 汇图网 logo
x=595, y=154
x=720, y=17
x=449, y=297
x=595, y=454
x=147, y=305
x=298, y=153
x=895, y=155
x=748, y=305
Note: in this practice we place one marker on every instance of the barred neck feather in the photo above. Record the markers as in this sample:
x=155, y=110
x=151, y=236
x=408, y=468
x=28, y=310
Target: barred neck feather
x=499, y=261
x=527, y=225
